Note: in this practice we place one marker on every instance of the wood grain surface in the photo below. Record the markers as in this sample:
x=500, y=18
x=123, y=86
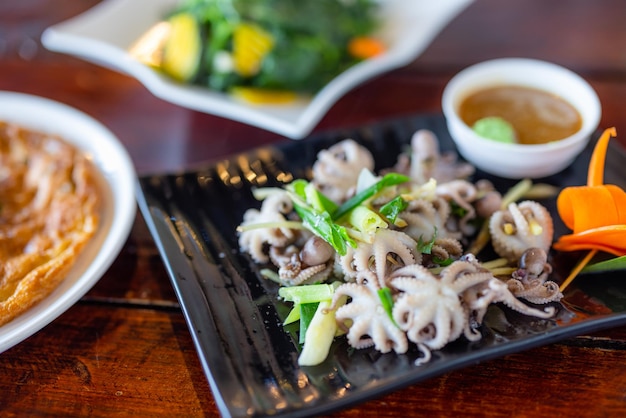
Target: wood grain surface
x=124, y=349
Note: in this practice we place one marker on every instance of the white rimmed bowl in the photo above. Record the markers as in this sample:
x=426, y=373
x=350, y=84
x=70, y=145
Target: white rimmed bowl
x=518, y=160
x=117, y=212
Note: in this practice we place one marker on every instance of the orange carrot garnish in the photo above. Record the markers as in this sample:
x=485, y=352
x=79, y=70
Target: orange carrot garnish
x=595, y=173
x=596, y=213
x=364, y=47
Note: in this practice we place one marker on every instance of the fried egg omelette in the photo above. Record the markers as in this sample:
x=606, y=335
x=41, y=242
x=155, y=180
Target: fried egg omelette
x=49, y=209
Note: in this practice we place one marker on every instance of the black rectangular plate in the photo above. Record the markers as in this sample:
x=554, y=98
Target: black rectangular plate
x=234, y=316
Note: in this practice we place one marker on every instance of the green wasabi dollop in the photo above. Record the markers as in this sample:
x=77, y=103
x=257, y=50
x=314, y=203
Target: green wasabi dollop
x=495, y=128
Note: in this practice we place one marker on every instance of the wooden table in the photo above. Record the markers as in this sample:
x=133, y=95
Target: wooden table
x=124, y=349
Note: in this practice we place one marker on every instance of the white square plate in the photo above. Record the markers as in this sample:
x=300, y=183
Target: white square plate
x=105, y=33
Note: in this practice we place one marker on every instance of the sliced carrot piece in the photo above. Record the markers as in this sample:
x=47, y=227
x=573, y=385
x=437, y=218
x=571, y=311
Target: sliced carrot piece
x=584, y=207
x=610, y=239
x=596, y=213
x=364, y=47
x=595, y=174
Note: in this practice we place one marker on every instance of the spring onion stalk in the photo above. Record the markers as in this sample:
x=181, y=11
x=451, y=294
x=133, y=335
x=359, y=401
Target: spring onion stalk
x=318, y=200
x=311, y=196
x=261, y=193
x=360, y=236
x=318, y=221
x=495, y=263
x=319, y=336
x=274, y=224
x=294, y=315
x=386, y=298
x=390, y=179
x=366, y=220
x=307, y=312
x=516, y=192
x=541, y=191
x=502, y=271
x=308, y=293
x=271, y=275
x=321, y=224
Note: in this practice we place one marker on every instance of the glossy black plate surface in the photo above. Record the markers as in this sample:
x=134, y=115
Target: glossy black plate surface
x=234, y=316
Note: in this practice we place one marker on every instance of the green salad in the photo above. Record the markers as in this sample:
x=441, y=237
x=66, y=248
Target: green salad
x=267, y=49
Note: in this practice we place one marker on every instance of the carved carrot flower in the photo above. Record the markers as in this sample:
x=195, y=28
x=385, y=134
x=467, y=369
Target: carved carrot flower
x=596, y=213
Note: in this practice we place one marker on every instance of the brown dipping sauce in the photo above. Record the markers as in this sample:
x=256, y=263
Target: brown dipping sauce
x=538, y=117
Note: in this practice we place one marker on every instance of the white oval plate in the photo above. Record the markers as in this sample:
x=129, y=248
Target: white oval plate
x=117, y=212
x=105, y=33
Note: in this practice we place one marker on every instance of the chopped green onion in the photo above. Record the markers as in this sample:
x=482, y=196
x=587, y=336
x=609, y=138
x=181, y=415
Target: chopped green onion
x=308, y=293
x=386, y=298
x=320, y=334
x=457, y=210
x=390, y=179
x=426, y=247
x=271, y=275
x=443, y=261
x=297, y=187
x=322, y=225
x=307, y=311
x=294, y=315
x=261, y=193
x=366, y=220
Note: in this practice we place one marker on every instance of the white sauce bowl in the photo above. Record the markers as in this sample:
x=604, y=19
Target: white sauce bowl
x=518, y=161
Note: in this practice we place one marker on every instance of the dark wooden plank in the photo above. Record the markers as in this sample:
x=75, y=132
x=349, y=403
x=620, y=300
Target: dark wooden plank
x=125, y=350
x=105, y=360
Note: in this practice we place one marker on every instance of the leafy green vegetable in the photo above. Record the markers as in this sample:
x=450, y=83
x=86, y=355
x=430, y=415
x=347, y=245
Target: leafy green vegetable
x=321, y=224
x=391, y=209
x=309, y=45
x=426, y=247
x=318, y=221
x=391, y=179
x=612, y=264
